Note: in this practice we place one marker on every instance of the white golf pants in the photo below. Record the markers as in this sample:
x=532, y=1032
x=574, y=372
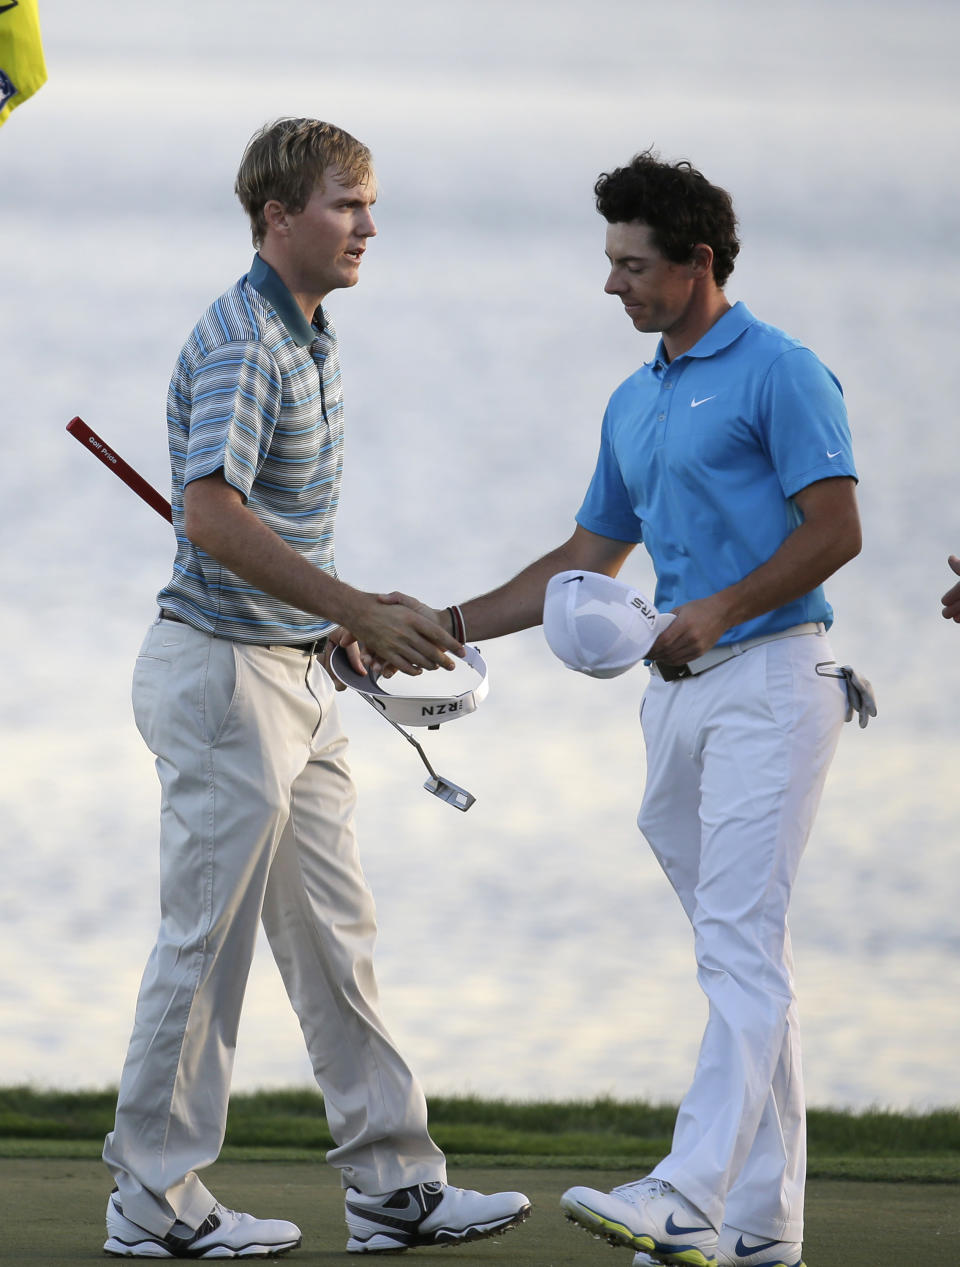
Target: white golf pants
x=256, y=823
x=736, y=762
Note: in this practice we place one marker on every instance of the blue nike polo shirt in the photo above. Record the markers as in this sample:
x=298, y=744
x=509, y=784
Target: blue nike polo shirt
x=701, y=457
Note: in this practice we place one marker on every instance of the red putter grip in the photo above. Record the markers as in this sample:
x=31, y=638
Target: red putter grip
x=89, y=438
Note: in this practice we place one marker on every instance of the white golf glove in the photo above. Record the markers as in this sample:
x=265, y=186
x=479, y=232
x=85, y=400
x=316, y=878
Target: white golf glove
x=860, y=696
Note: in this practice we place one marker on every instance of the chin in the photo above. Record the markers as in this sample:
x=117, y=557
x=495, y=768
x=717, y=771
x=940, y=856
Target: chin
x=343, y=282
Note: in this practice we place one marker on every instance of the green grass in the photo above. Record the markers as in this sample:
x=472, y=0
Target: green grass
x=847, y=1224
x=289, y=1125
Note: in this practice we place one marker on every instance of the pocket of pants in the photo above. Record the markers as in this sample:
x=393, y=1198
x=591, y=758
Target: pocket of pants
x=649, y=711
x=780, y=684
x=219, y=688
x=151, y=679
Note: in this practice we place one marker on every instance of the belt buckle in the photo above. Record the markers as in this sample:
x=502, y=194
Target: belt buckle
x=314, y=648
x=673, y=672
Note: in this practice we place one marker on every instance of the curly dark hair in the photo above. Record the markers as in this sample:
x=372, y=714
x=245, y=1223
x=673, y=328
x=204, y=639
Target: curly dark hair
x=679, y=204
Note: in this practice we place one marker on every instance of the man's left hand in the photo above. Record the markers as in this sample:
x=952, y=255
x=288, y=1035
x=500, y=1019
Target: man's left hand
x=951, y=600
x=340, y=637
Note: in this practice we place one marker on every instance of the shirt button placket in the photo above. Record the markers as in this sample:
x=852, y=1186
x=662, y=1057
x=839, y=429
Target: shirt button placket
x=319, y=359
x=664, y=402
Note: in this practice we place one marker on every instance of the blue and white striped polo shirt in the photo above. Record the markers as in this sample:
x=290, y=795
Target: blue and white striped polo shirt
x=256, y=393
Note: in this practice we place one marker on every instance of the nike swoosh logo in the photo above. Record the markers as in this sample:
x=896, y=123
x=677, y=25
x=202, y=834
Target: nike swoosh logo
x=410, y=1214
x=694, y=402
x=573, y=578
x=5, y=7
x=743, y=1250
x=834, y=455
x=674, y=1229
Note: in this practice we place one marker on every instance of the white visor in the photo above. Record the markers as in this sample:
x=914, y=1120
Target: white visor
x=415, y=710
x=598, y=625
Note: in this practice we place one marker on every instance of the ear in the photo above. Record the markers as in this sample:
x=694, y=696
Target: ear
x=701, y=260
x=275, y=215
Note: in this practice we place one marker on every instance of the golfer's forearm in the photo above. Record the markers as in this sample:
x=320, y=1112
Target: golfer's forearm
x=805, y=560
x=514, y=606
x=218, y=523
x=519, y=603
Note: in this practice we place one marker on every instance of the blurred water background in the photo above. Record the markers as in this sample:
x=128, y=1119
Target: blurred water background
x=529, y=948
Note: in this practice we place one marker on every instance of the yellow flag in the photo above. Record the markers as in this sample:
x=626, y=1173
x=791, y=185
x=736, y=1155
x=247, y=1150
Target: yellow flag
x=22, y=68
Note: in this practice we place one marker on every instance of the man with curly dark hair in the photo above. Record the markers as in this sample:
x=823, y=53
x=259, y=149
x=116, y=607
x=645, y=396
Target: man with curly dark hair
x=678, y=204
x=728, y=455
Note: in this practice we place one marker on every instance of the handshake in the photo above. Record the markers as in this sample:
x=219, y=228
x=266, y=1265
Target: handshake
x=388, y=633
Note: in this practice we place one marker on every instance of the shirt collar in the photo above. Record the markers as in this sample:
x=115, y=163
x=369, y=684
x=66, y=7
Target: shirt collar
x=721, y=334
x=274, y=290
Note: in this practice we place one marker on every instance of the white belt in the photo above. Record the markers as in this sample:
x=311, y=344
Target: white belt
x=719, y=655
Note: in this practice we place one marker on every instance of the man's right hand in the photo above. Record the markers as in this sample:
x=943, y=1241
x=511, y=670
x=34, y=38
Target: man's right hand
x=395, y=631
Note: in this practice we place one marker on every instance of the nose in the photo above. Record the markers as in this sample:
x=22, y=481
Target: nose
x=367, y=227
x=613, y=285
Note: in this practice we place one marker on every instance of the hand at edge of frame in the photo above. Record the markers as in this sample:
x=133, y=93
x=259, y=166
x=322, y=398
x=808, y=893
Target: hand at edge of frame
x=951, y=600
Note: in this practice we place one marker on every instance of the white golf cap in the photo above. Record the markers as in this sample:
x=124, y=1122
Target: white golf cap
x=416, y=710
x=598, y=625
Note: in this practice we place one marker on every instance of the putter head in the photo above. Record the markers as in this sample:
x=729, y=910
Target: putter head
x=458, y=797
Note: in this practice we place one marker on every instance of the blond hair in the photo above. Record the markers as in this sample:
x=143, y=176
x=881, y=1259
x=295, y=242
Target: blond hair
x=286, y=161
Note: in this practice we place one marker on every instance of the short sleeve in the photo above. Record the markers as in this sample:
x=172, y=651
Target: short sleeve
x=803, y=422
x=234, y=410
x=607, y=509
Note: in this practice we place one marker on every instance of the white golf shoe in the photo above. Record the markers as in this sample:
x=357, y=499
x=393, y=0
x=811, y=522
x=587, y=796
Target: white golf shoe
x=741, y=1249
x=428, y=1214
x=649, y=1216
x=223, y=1234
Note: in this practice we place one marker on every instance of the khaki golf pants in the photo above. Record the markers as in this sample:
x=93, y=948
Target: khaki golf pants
x=736, y=762
x=256, y=824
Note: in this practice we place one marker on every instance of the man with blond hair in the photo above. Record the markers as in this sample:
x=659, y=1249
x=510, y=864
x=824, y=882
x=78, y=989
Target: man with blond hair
x=231, y=696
